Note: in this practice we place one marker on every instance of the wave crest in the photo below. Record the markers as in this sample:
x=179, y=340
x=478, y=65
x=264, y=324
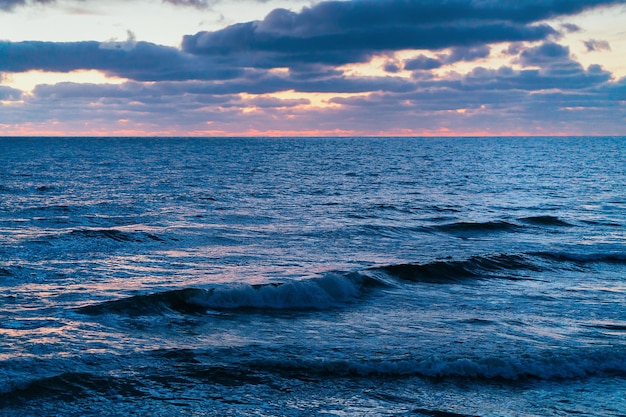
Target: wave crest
x=477, y=227
x=115, y=235
x=549, y=366
x=451, y=271
x=329, y=291
x=545, y=221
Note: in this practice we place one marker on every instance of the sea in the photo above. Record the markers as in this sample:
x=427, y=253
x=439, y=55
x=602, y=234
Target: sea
x=352, y=276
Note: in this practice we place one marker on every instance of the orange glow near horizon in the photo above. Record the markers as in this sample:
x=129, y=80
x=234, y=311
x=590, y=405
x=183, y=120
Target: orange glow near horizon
x=316, y=100
x=32, y=130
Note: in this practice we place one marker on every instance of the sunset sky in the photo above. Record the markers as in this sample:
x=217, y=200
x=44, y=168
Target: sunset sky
x=292, y=67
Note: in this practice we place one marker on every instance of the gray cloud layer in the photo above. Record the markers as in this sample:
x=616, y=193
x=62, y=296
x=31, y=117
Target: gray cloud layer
x=327, y=34
x=202, y=81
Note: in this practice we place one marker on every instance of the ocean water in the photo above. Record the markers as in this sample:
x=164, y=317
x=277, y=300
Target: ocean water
x=313, y=277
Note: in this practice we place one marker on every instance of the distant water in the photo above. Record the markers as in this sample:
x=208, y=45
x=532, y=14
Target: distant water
x=299, y=277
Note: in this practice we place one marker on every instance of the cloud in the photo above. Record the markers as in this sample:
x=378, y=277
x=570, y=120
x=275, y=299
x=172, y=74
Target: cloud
x=548, y=66
x=392, y=67
x=595, y=45
x=9, y=5
x=336, y=33
x=570, y=27
x=311, y=42
x=224, y=80
x=425, y=63
x=422, y=62
x=142, y=61
x=482, y=101
x=342, y=32
x=199, y=4
x=466, y=54
x=545, y=54
x=195, y=3
x=9, y=94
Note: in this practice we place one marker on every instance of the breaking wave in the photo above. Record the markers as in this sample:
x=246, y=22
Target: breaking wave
x=329, y=291
x=335, y=290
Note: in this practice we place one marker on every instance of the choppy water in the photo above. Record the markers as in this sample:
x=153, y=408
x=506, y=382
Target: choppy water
x=295, y=277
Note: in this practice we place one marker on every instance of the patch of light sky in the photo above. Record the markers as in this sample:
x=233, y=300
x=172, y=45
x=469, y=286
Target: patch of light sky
x=603, y=24
x=150, y=20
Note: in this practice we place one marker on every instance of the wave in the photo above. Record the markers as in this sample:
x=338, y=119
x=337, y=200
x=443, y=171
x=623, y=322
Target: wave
x=68, y=386
x=583, y=259
x=450, y=271
x=55, y=208
x=46, y=188
x=469, y=228
x=400, y=232
x=546, y=366
x=437, y=413
x=337, y=290
x=477, y=227
x=545, y=221
x=115, y=235
x=329, y=291
x=609, y=223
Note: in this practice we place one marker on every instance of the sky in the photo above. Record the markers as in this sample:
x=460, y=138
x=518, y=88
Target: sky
x=312, y=68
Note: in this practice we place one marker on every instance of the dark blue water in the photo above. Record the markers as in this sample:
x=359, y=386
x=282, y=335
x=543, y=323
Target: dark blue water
x=297, y=277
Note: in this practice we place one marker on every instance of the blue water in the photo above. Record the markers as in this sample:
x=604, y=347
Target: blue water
x=318, y=276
